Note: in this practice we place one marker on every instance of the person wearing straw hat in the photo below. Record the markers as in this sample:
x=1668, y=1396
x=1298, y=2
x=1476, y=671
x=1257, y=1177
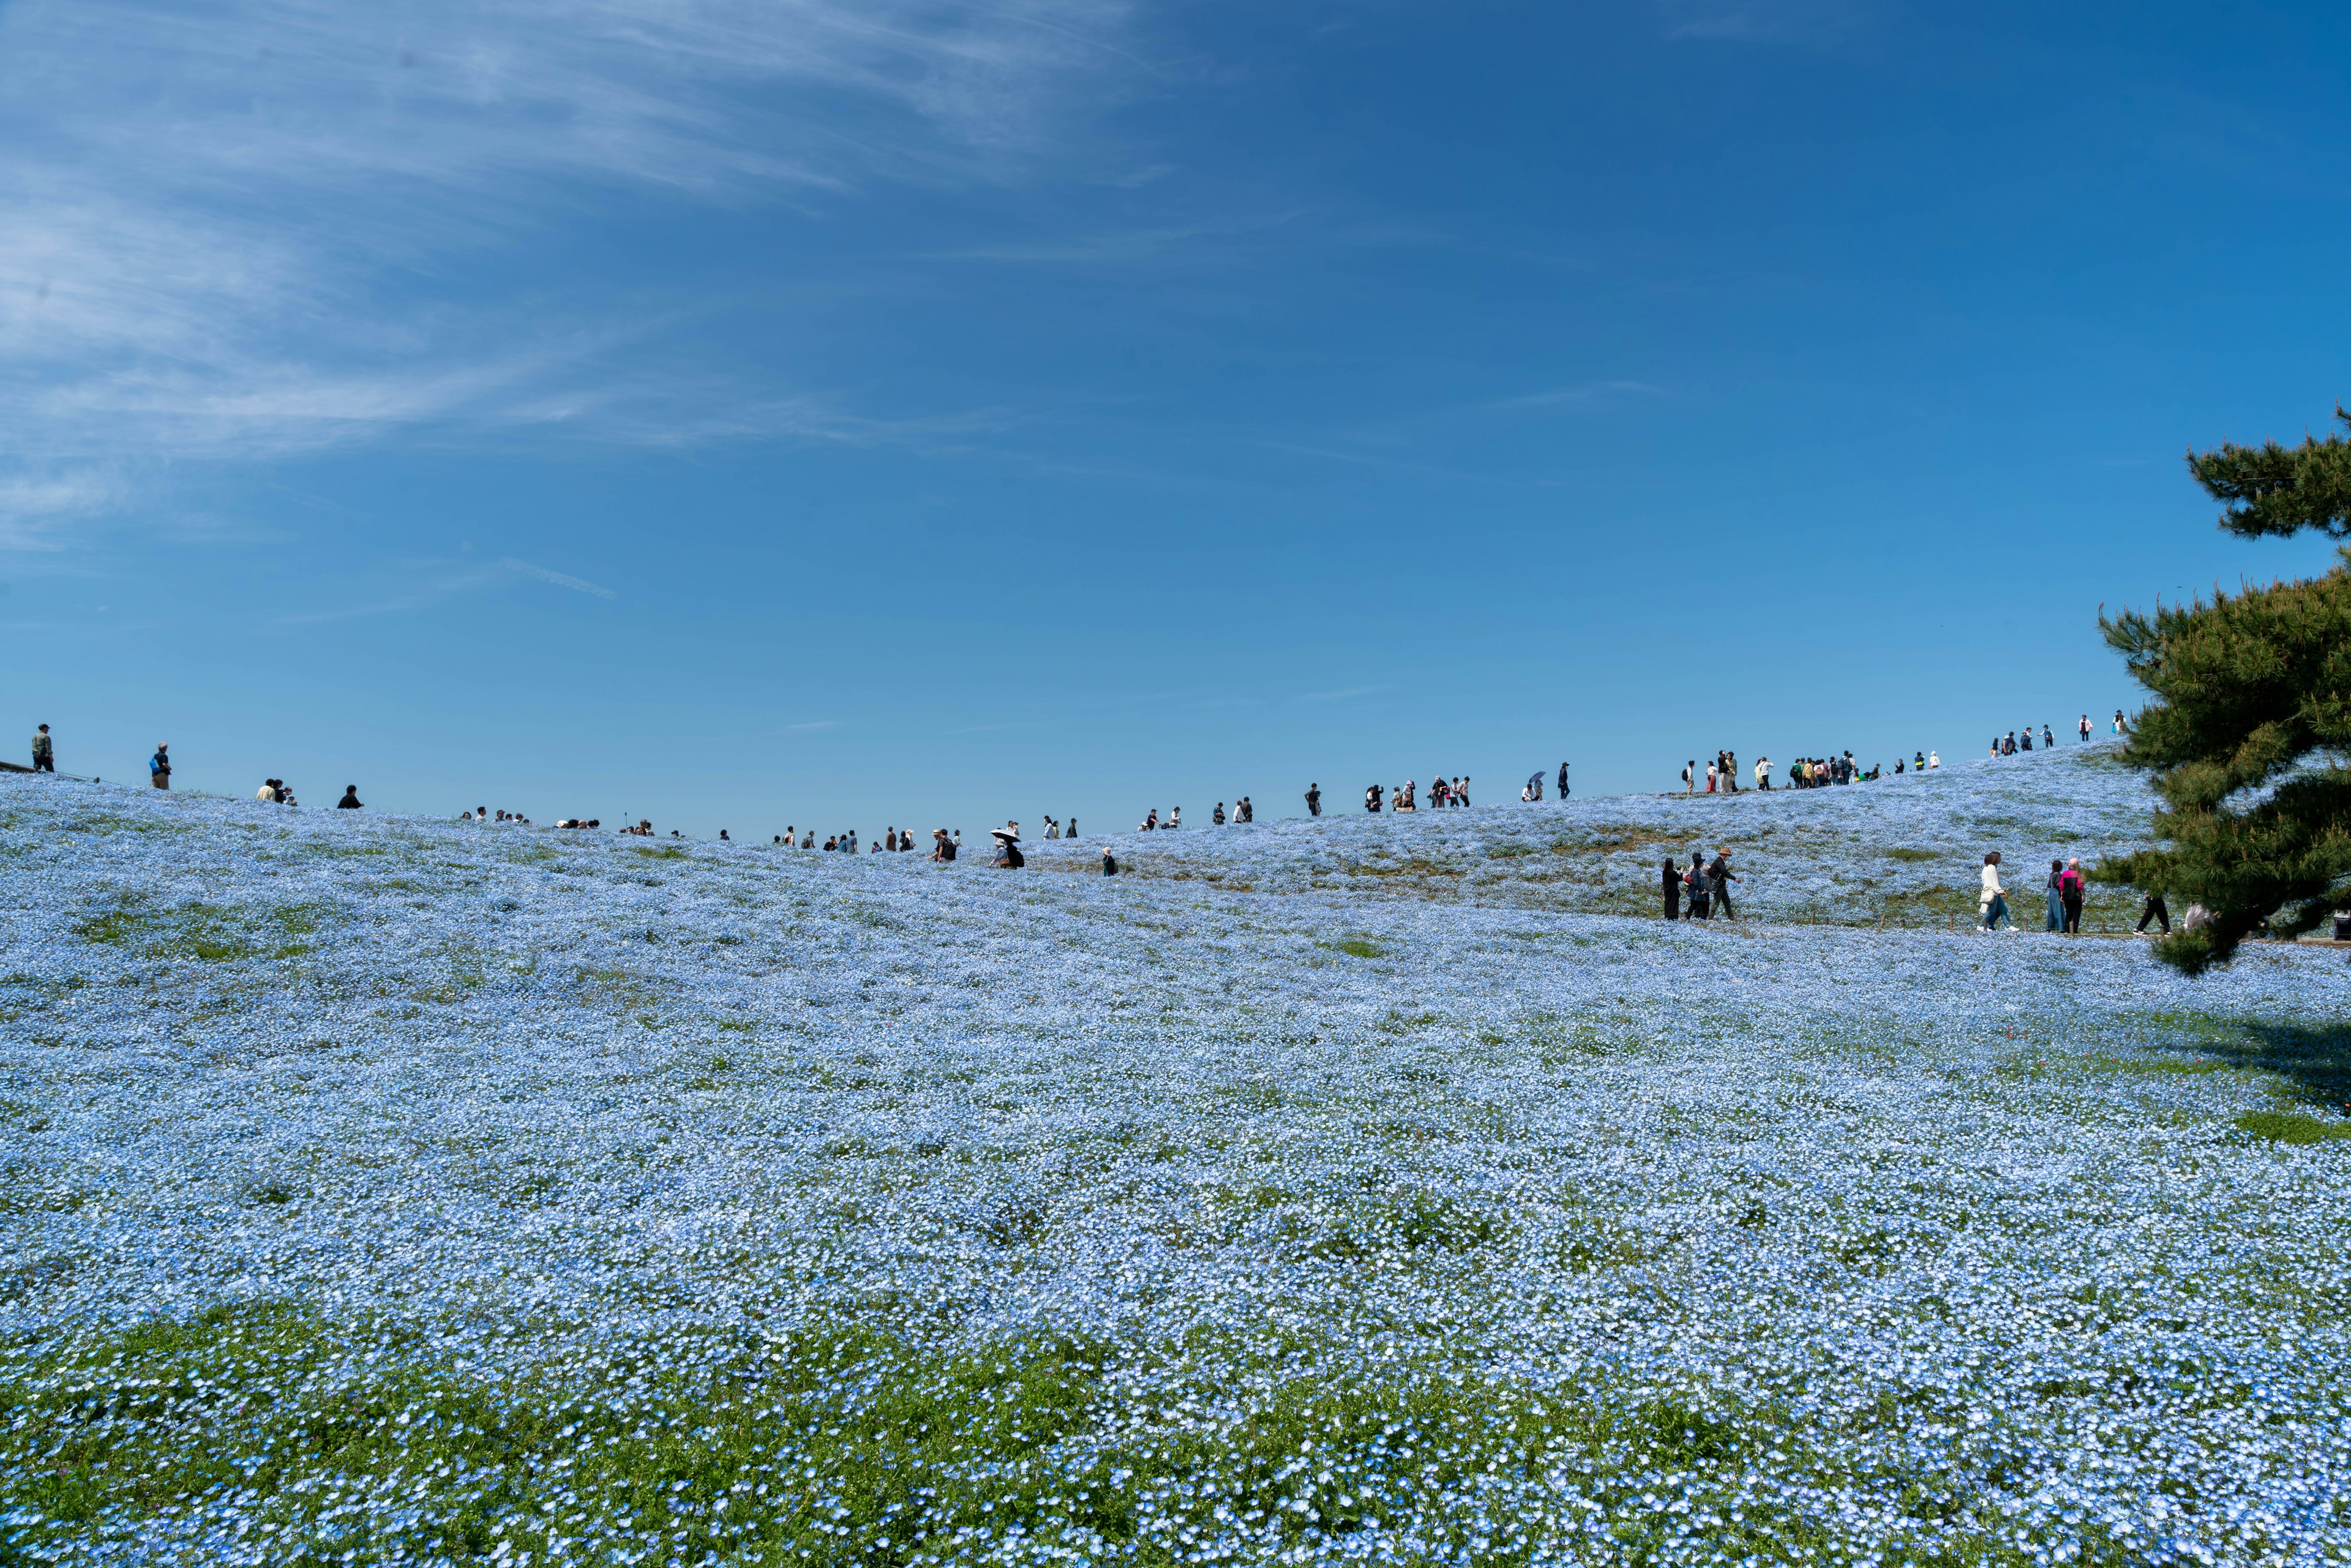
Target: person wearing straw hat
x=1007, y=846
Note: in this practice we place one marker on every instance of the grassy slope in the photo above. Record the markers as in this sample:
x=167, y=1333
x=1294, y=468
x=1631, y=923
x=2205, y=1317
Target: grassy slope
x=412, y=1191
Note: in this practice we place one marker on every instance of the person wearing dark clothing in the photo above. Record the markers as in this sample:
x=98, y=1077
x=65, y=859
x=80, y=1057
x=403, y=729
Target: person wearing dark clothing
x=1562, y=780
x=1372, y=800
x=1673, y=889
x=1694, y=880
x=942, y=848
x=2056, y=919
x=45, y=757
x=350, y=801
x=2154, y=908
x=1718, y=879
x=2070, y=890
x=1245, y=812
x=1217, y=817
x=159, y=766
x=1314, y=799
x=1110, y=863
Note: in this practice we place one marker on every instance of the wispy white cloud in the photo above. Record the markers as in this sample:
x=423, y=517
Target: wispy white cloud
x=560, y=579
x=241, y=228
x=1135, y=245
x=37, y=510
x=1764, y=21
x=1583, y=392
x=438, y=581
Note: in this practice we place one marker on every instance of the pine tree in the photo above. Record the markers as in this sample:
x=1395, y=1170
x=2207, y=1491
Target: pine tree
x=2251, y=731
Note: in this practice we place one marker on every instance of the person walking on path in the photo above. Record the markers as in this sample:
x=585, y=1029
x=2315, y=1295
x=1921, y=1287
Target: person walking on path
x=2154, y=909
x=1673, y=889
x=1993, y=899
x=1562, y=780
x=350, y=801
x=1730, y=772
x=2056, y=921
x=2070, y=890
x=1314, y=799
x=1689, y=777
x=2119, y=721
x=2085, y=731
x=1718, y=879
x=45, y=757
x=1762, y=773
x=159, y=766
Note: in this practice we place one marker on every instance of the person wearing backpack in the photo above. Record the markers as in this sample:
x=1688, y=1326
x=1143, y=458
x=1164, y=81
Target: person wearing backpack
x=2070, y=890
x=1693, y=883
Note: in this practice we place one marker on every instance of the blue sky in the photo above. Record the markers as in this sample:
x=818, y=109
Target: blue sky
x=860, y=414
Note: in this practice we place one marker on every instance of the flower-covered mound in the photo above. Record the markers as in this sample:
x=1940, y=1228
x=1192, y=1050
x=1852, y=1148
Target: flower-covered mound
x=389, y=1191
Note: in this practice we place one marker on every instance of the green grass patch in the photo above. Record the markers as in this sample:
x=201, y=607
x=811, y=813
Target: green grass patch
x=1355, y=947
x=2290, y=1128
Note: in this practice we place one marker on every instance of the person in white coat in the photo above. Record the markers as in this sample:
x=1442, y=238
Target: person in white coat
x=1993, y=899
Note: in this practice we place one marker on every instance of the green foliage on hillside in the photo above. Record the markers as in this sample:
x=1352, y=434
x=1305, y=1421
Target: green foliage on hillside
x=2253, y=717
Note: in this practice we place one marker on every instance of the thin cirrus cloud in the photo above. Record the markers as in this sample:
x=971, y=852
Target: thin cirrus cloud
x=445, y=584
x=220, y=213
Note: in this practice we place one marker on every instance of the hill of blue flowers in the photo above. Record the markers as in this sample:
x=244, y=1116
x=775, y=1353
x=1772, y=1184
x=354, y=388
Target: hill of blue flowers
x=1367, y=1190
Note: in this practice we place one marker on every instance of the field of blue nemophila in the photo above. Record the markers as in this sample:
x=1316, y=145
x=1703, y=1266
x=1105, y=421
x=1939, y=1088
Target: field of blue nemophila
x=385, y=1191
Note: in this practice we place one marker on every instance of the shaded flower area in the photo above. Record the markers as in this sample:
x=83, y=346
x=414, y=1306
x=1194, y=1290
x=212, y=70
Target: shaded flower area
x=386, y=1191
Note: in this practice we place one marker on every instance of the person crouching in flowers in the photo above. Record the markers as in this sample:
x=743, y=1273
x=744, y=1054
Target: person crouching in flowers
x=1993, y=899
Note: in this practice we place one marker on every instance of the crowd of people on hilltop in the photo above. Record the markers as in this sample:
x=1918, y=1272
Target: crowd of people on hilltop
x=1703, y=887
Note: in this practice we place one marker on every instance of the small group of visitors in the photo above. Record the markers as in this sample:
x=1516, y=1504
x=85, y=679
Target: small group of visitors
x=2064, y=890
x=1242, y=812
x=1067, y=830
x=1442, y=792
x=280, y=792
x=481, y=814
x=2008, y=745
x=1534, y=789
x=1152, y=824
x=1819, y=772
x=1706, y=888
x=1721, y=775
